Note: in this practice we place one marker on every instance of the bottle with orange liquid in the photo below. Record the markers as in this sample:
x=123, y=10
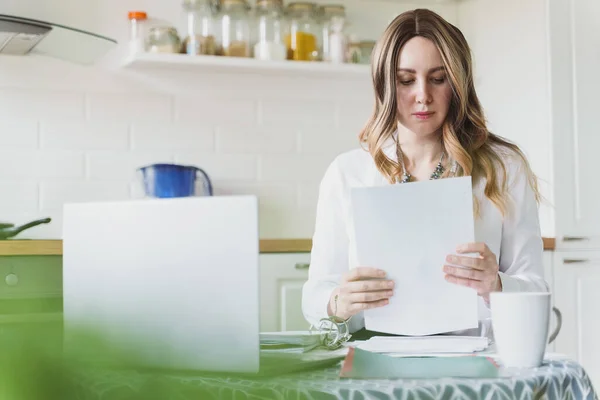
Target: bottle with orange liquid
x=302, y=37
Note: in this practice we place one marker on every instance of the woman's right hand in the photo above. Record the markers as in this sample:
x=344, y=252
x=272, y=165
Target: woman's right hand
x=362, y=288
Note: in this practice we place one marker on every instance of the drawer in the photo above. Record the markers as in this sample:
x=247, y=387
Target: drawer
x=30, y=276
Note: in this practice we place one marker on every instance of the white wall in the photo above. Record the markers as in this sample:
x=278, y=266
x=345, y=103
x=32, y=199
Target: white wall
x=69, y=133
x=509, y=40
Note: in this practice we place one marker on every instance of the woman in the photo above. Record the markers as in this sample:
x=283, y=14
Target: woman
x=427, y=124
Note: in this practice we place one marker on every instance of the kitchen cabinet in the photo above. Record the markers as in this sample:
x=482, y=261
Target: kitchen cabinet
x=281, y=279
x=31, y=293
x=574, y=64
x=576, y=294
x=30, y=288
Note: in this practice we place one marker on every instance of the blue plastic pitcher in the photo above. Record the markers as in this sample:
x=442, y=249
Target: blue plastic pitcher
x=172, y=180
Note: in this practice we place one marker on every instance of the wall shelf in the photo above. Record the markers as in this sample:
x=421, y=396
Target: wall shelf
x=232, y=65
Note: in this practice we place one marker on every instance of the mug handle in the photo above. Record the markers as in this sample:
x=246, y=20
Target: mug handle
x=558, y=325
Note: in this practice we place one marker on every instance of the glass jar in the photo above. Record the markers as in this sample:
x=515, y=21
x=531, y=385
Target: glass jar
x=334, y=47
x=234, y=29
x=137, y=31
x=303, y=32
x=366, y=50
x=354, y=55
x=200, y=22
x=270, y=23
x=163, y=39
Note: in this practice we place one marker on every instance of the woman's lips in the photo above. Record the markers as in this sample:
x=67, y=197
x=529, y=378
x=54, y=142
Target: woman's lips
x=423, y=115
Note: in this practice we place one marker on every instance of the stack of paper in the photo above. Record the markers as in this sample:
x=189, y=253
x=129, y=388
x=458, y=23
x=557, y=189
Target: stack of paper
x=425, y=344
x=289, y=341
x=360, y=364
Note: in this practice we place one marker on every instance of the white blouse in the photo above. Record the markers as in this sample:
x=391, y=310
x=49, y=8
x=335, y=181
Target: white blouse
x=515, y=240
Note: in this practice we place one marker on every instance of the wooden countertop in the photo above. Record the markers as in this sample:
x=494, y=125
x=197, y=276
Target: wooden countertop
x=54, y=247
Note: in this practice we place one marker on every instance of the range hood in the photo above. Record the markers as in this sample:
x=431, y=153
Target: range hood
x=22, y=36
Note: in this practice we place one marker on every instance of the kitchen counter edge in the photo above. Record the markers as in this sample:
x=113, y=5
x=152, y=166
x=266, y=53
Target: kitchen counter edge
x=36, y=247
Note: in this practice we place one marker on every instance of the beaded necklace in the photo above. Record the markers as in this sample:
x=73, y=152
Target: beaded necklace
x=436, y=174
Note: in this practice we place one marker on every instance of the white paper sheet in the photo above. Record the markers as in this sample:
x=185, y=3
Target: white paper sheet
x=408, y=230
x=437, y=344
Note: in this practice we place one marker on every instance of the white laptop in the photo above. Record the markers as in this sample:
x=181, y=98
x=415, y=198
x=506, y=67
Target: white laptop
x=175, y=278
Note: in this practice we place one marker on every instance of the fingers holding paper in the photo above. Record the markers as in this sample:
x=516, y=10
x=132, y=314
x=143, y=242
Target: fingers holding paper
x=361, y=288
x=479, y=272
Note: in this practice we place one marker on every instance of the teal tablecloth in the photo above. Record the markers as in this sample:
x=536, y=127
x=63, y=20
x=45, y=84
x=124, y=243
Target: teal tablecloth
x=556, y=379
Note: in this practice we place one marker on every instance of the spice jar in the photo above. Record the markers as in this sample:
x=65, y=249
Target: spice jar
x=163, y=39
x=301, y=39
x=335, y=44
x=137, y=31
x=234, y=29
x=366, y=50
x=354, y=55
x=271, y=23
x=200, y=22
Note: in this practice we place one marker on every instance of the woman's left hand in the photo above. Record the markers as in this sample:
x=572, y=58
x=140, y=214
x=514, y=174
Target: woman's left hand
x=479, y=273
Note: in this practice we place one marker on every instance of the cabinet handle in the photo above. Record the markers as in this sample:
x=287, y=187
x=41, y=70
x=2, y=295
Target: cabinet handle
x=575, y=238
x=575, y=261
x=302, y=265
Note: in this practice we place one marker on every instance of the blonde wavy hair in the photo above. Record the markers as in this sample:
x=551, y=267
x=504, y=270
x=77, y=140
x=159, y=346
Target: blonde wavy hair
x=465, y=137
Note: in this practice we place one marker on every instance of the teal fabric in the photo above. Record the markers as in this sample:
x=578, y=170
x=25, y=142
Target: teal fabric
x=553, y=380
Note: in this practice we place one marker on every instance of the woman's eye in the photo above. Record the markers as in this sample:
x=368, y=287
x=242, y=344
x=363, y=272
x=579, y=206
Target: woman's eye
x=439, y=81
x=406, y=82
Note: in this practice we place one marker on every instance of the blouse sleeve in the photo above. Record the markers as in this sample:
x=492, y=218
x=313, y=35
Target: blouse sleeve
x=521, y=250
x=329, y=254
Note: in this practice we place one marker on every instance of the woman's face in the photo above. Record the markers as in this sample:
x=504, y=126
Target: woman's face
x=423, y=90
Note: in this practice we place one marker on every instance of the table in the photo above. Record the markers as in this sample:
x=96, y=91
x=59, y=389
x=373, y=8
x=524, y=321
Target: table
x=555, y=379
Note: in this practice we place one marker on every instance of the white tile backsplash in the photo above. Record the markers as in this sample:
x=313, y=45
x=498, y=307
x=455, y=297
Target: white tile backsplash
x=334, y=141
x=294, y=112
x=173, y=137
x=80, y=141
x=203, y=110
x=121, y=165
x=79, y=135
x=54, y=194
x=38, y=165
x=17, y=196
x=307, y=195
x=258, y=140
x=19, y=133
x=270, y=195
x=300, y=168
x=83, y=139
x=41, y=104
x=145, y=107
x=241, y=167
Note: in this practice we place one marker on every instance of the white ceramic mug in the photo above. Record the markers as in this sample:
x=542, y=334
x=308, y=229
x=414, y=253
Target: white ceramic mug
x=520, y=322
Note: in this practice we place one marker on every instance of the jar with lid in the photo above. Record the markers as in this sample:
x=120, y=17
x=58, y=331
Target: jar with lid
x=334, y=47
x=201, y=26
x=303, y=32
x=234, y=29
x=163, y=39
x=137, y=30
x=366, y=50
x=271, y=28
